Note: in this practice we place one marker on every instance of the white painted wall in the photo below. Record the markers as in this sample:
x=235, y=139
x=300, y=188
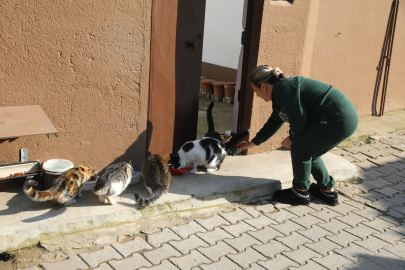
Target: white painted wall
x=222, y=32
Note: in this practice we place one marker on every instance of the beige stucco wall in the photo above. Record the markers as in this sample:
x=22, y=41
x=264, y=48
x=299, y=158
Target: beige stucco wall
x=348, y=43
x=281, y=44
x=337, y=42
x=86, y=63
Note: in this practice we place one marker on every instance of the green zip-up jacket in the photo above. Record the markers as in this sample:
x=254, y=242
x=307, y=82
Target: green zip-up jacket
x=301, y=102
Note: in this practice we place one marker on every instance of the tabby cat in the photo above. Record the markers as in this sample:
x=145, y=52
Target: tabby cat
x=64, y=189
x=206, y=152
x=157, y=179
x=113, y=182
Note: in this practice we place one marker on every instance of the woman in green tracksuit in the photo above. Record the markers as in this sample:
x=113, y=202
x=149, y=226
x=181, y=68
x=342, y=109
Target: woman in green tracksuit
x=320, y=117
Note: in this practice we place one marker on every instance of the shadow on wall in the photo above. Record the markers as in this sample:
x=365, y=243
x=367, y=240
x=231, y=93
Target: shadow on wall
x=135, y=152
x=381, y=63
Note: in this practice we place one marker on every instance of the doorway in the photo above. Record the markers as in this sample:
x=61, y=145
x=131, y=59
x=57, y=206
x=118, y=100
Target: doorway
x=176, y=61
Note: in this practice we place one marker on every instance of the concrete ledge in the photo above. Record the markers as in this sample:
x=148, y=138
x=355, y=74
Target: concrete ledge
x=240, y=179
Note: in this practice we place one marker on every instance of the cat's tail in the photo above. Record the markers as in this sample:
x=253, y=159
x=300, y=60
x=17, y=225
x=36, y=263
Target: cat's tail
x=35, y=195
x=235, y=139
x=99, y=189
x=151, y=199
x=210, y=120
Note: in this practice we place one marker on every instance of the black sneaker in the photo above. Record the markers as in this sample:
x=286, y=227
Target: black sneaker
x=291, y=196
x=330, y=198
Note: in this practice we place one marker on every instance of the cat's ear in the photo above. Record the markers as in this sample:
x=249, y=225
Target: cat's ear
x=172, y=156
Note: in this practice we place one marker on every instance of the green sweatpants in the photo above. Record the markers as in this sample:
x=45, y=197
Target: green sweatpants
x=319, y=138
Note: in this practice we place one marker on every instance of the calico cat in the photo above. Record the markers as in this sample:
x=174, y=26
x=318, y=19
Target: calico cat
x=64, y=189
x=211, y=133
x=206, y=152
x=157, y=179
x=113, y=182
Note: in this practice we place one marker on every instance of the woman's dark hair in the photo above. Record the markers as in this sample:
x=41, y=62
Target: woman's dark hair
x=265, y=74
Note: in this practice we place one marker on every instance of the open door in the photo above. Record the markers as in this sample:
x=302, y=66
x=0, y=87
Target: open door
x=189, y=41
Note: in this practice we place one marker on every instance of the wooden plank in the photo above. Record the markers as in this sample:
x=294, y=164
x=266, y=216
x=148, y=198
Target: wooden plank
x=18, y=121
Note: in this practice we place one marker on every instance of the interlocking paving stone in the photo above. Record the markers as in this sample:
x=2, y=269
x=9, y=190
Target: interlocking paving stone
x=390, y=236
x=361, y=231
x=164, y=265
x=245, y=258
x=370, y=174
x=351, y=219
x=343, y=238
x=184, y=246
x=386, y=169
x=214, y=236
x=242, y=242
x=381, y=161
x=159, y=238
x=212, y=222
x=378, y=224
x=366, y=165
x=187, y=229
x=188, y=261
x=398, y=249
x=238, y=228
x=339, y=152
x=73, y=262
x=390, y=219
x=334, y=225
x=352, y=252
x=400, y=229
x=400, y=209
x=300, y=210
x=260, y=222
x=311, y=265
x=287, y=227
x=271, y=248
x=266, y=234
x=372, y=243
x=280, y=205
x=251, y=211
x=373, y=196
x=216, y=251
x=235, y=216
x=307, y=221
x=401, y=173
x=266, y=208
x=326, y=214
x=317, y=205
x=399, y=186
x=34, y=268
x=131, y=246
x=302, y=254
x=359, y=156
x=360, y=199
x=342, y=208
x=281, y=216
x=279, y=262
x=364, y=263
x=294, y=240
x=385, y=258
x=354, y=204
x=368, y=213
x=95, y=258
x=382, y=205
x=134, y=262
x=223, y=263
x=394, y=178
x=255, y=266
x=315, y=232
x=323, y=246
x=395, y=214
x=388, y=191
x=159, y=254
x=398, y=200
x=356, y=149
x=398, y=165
x=103, y=266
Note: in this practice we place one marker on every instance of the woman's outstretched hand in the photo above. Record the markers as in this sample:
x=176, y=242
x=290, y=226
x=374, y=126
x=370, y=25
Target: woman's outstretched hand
x=245, y=145
x=286, y=143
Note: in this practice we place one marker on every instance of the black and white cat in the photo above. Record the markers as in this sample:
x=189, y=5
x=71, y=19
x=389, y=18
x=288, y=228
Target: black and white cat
x=206, y=152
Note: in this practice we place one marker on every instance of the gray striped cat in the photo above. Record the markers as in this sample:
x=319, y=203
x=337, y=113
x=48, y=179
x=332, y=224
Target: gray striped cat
x=157, y=179
x=113, y=182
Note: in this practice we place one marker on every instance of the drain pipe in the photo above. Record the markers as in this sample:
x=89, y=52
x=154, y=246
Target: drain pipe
x=391, y=25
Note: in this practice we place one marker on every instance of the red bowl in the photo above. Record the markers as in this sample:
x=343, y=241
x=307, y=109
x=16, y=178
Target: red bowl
x=177, y=172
